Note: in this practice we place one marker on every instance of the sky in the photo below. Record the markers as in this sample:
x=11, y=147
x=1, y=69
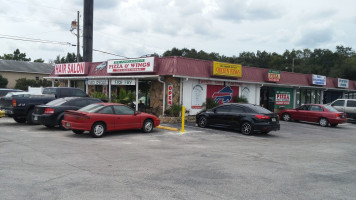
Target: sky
x=134, y=28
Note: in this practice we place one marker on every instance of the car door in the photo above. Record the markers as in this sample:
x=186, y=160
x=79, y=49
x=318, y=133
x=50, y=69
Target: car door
x=339, y=105
x=107, y=115
x=223, y=116
x=350, y=108
x=315, y=113
x=301, y=113
x=126, y=118
x=237, y=113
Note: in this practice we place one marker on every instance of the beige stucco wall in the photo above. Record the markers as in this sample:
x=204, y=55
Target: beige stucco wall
x=13, y=76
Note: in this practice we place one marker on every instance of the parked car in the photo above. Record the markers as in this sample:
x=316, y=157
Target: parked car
x=4, y=91
x=2, y=113
x=21, y=108
x=247, y=118
x=347, y=106
x=100, y=118
x=317, y=113
x=52, y=113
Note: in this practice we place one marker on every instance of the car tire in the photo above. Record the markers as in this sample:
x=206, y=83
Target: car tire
x=20, y=120
x=78, y=132
x=29, y=119
x=333, y=125
x=147, y=126
x=286, y=117
x=98, y=129
x=49, y=126
x=265, y=132
x=246, y=128
x=323, y=122
x=203, y=122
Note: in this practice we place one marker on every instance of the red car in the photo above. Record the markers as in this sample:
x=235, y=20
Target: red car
x=99, y=118
x=318, y=113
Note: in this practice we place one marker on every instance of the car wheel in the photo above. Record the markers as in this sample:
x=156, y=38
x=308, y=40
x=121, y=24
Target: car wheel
x=78, y=132
x=203, y=122
x=29, y=119
x=98, y=129
x=323, y=122
x=246, y=128
x=333, y=125
x=265, y=132
x=147, y=126
x=49, y=126
x=20, y=120
x=286, y=117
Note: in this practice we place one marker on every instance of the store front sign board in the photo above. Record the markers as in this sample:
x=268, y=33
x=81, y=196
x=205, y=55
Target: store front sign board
x=274, y=75
x=131, y=65
x=342, y=83
x=98, y=82
x=70, y=69
x=226, y=69
x=123, y=82
x=318, y=80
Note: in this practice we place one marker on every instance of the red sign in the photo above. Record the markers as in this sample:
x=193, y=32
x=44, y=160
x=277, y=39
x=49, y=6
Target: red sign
x=170, y=94
x=70, y=68
x=222, y=94
x=283, y=99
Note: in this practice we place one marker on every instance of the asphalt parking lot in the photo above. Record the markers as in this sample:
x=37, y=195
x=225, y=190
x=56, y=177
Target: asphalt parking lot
x=301, y=161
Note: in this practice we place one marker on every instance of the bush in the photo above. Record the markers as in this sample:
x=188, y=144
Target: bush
x=3, y=82
x=210, y=103
x=174, y=110
x=236, y=99
x=23, y=83
x=99, y=95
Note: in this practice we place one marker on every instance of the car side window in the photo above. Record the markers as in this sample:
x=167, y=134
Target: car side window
x=338, y=103
x=91, y=101
x=223, y=109
x=80, y=103
x=123, y=110
x=78, y=93
x=316, y=108
x=237, y=109
x=106, y=110
x=351, y=103
x=304, y=107
x=65, y=93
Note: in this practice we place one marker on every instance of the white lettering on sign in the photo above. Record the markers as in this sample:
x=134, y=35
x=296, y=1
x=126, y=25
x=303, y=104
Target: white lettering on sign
x=97, y=82
x=319, y=80
x=170, y=94
x=70, y=68
x=123, y=82
x=131, y=65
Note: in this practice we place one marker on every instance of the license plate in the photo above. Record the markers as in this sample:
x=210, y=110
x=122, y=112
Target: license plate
x=273, y=119
x=67, y=124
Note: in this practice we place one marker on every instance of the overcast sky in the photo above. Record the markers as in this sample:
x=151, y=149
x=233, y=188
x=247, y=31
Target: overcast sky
x=133, y=28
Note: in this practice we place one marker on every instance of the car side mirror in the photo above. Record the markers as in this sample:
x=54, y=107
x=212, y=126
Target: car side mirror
x=137, y=112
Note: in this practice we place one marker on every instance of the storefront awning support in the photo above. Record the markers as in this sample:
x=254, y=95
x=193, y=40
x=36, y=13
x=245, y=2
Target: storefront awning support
x=136, y=80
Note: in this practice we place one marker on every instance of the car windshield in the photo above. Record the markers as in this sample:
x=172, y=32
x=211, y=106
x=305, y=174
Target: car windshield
x=330, y=108
x=56, y=102
x=49, y=91
x=92, y=108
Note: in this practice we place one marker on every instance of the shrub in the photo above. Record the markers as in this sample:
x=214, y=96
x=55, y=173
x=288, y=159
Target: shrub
x=236, y=99
x=99, y=95
x=174, y=110
x=210, y=103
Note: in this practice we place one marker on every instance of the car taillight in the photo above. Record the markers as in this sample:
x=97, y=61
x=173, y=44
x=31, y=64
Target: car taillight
x=14, y=103
x=49, y=111
x=262, y=116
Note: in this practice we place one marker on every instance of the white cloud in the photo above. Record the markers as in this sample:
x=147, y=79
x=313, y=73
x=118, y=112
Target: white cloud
x=136, y=27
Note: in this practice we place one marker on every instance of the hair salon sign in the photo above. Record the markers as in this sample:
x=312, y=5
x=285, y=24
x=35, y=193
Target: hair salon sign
x=70, y=68
x=131, y=65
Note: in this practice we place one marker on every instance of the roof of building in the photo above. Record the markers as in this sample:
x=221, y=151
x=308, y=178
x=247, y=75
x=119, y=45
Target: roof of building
x=25, y=67
x=188, y=67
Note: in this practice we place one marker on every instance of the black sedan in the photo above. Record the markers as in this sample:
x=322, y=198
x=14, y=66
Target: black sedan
x=52, y=113
x=247, y=118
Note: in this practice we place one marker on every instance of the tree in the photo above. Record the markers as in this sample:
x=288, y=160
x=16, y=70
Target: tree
x=39, y=60
x=70, y=58
x=3, y=82
x=17, y=55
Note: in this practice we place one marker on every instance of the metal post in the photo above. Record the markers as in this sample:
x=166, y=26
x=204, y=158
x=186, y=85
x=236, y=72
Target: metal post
x=109, y=90
x=88, y=30
x=136, y=80
x=183, y=118
x=78, y=38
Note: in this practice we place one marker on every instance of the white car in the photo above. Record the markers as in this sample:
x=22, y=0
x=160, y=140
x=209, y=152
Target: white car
x=347, y=106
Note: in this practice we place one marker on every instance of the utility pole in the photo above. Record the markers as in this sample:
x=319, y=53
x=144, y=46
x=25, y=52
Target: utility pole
x=293, y=65
x=78, y=38
x=88, y=31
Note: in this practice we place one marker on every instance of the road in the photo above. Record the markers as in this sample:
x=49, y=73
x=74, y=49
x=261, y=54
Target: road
x=301, y=161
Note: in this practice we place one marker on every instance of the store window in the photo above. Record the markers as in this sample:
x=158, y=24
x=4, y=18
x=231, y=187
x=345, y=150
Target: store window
x=304, y=96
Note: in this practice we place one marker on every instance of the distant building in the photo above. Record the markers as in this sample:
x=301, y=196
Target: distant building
x=13, y=70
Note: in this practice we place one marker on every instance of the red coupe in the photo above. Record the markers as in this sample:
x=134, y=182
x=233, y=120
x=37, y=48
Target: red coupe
x=318, y=113
x=99, y=118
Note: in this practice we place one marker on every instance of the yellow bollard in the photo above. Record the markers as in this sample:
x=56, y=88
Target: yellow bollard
x=183, y=118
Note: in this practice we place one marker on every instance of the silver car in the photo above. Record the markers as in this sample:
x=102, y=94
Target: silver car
x=346, y=105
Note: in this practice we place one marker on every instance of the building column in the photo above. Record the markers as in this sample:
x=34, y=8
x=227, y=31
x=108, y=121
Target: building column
x=136, y=80
x=68, y=83
x=109, y=90
x=52, y=83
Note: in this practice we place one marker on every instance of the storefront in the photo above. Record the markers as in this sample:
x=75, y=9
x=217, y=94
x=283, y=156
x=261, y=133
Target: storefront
x=161, y=83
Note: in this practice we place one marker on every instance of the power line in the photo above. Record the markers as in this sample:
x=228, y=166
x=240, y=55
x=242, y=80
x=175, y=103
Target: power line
x=10, y=37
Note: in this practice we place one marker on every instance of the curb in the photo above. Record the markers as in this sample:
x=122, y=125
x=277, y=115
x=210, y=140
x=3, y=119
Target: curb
x=167, y=128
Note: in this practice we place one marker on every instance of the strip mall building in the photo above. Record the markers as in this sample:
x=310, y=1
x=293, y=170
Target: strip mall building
x=189, y=82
